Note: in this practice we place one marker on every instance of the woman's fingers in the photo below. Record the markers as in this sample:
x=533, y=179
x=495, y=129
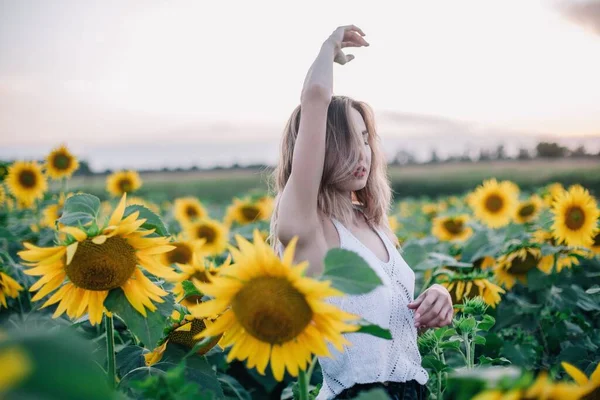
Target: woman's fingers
x=350, y=44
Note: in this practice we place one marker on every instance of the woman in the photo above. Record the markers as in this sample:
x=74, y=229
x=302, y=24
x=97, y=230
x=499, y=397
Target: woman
x=333, y=191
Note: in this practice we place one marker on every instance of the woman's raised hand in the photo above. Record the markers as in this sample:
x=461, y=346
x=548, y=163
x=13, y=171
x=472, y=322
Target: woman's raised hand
x=346, y=36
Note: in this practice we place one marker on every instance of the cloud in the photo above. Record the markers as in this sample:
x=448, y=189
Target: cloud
x=583, y=12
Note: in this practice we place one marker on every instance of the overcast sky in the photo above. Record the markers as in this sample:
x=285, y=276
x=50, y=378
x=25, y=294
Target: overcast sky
x=87, y=73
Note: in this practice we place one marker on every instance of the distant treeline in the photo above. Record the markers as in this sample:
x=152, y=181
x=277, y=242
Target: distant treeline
x=543, y=150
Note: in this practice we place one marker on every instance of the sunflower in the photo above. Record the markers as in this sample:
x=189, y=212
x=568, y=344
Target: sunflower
x=590, y=388
x=485, y=262
x=201, y=271
x=542, y=236
x=285, y=332
x=85, y=270
x=596, y=244
x=188, y=209
x=551, y=193
x=528, y=210
x=26, y=182
x=214, y=233
x=2, y=195
x=544, y=388
x=21, y=367
x=60, y=163
x=515, y=265
x=4, y=167
x=122, y=182
x=394, y=224
x=8, y=288
x=182, y=331
x=53, y=212
x=452, y=228
x=431, y=210
x=494, y=202
x=467, y=288
x=246, y=211
x=575, y=217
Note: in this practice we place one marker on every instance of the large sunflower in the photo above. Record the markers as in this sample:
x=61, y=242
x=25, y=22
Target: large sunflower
x=270, y=311
x=528, y=210
x=26, y=182
x=85, y=270
x=452, y=228
x=466, y=288
x=246, y=211
x=590, y=388
x=122, y=182
x=60, y=163
x=494, y=202
x=575, y=217
x=215, y=235
x=8, y=288
x=188, y=209
x=516, y=263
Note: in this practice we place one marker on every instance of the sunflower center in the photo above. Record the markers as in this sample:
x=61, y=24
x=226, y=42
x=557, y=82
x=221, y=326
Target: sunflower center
x=181, y=254
x=271, y=309
x=102, y=266
x=527, y=210
x=596, y=240
x=61, y=161
x=575, y=218
x=125, y=185
x=519, y=266
x=202, y=276
x=494, y=203
x=186, y=337
x=191, y=211
x=454, y=226
x=206, y=232
x=250, y=213
x=27, y=179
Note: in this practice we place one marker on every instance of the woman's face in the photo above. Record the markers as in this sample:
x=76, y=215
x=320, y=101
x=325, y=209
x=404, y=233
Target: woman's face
x=358, y=179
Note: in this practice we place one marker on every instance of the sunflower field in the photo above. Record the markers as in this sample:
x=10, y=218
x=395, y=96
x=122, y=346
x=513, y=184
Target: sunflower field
x=121, y=297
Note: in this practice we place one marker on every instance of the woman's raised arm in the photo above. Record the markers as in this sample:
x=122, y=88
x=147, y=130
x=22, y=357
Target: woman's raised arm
x=298, y=203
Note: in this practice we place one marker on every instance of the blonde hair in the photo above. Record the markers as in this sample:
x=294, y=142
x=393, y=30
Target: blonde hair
x=342, y=152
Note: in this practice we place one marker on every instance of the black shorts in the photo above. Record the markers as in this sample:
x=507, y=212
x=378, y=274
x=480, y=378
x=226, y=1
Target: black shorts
x=411, y=390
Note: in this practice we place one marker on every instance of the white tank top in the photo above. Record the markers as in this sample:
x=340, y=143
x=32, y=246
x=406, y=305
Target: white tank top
x=372, y=359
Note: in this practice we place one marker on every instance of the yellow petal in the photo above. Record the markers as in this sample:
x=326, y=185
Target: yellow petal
x=71, y=249
x=77, y=233
x=99, y=239
x=575, y=373
x=117, y=215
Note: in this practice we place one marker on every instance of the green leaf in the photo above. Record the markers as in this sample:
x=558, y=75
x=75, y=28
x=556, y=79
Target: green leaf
x=433, y=363
x=593, y=290
x=413, y=254
x=349, y=272
x=232, y=389
x=475, y=242
x=453, y=345
x=466, y=325
x=59, y=363
x=373, y=394
x=80, y=209
x=153, y=221
x=190, y=290
x=479, y=340
x=486, y=323
x=374, y=330
x=148, y=329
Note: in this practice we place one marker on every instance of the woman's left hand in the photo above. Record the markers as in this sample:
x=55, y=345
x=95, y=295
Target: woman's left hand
x=434, y=308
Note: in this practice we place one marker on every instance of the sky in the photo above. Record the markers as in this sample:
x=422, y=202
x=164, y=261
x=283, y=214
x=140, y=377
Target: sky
x=99, y=74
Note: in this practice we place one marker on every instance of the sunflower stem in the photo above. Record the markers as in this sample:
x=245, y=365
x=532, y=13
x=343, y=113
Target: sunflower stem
x=311, y=369
x=302, y=385
x=110, y=350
